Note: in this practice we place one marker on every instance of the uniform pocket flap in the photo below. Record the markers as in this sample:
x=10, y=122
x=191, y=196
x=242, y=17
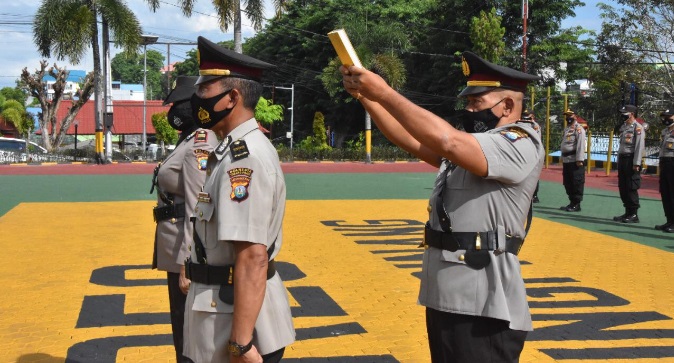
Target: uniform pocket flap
x=204, y=211
x=206, y=299
x=454, y=257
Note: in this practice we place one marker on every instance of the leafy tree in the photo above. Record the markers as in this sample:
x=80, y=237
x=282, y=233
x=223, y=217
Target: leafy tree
x=319, y=140
x=128, y=68
x=268, y=113
x=15, y=112
x=15, y=93
x=53, y=130
x=165, y=133
x=67, y=28
x=486, y=33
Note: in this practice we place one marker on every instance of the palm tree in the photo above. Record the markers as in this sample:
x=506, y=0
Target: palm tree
x=229, y=13
x=66, y=29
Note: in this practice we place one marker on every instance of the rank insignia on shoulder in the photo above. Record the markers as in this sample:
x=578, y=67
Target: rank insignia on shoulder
x=202, y=158
x=201, y=136
x=240, y=179
x=638, y=130
x=239, y=150
x=514, y=134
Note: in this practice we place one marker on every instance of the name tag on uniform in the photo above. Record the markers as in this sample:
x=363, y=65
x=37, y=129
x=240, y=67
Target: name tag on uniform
x=204, y=197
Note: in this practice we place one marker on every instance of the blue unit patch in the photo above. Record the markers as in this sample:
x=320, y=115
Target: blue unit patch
x=514, y=134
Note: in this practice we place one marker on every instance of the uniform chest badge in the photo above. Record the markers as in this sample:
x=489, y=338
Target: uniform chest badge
x=240, y=179
x=203, y=197
x=202, y=158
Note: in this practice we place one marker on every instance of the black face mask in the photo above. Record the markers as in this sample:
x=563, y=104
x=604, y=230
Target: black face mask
x=180, y=116
x=667, y=121
x=624, y=117
x=203, y=112
x=479, y=121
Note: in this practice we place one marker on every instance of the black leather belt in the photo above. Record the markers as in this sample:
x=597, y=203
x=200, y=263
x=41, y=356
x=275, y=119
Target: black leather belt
x=569, y=153
x=217, y=275
x=168, y=212
x=453, y=241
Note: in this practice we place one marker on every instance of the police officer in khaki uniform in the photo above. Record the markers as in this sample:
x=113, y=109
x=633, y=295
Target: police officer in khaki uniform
x=471, y=283
x=573, y=157
x=630, y=152
x=237, y=306
x=667, y=170
x=177, y=180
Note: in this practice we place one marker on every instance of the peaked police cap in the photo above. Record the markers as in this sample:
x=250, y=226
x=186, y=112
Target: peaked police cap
x=183, y=89
x=216, y=61
x=484, y=76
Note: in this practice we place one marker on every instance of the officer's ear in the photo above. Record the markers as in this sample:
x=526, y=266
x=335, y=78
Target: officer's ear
x=508, y=106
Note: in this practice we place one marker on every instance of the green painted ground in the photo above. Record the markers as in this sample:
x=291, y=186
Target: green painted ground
x=598, y=208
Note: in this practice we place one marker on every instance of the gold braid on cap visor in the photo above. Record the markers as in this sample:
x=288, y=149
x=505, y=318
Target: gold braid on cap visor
x=483, y=84
x=214, y=72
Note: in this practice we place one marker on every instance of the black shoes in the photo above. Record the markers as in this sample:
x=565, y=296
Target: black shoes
x=619, y=218
x=667, y=227
x=571, y=208
x=630, y=218
x=535, y=199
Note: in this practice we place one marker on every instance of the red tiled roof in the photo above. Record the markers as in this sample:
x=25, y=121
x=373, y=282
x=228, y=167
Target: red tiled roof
x=127, y=117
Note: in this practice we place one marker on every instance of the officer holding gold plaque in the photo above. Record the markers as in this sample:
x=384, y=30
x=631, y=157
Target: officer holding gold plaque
x=177, y=180
x=479, y=210
x=237, y=307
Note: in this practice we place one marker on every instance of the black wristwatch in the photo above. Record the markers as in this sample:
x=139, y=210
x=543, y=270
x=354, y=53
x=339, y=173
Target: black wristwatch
x=237, y=349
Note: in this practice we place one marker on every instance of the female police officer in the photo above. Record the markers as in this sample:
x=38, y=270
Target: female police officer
x=178, y=179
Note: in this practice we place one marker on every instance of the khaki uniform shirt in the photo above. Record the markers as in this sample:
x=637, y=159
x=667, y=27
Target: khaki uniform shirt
x=247, y=203
x=573, y=143
x=500, y=201
x=632, y=141
x=181, y=175
x=667, y=146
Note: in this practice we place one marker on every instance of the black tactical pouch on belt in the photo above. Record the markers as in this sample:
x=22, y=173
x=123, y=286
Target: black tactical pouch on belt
x=226, y=292
x=477, y=259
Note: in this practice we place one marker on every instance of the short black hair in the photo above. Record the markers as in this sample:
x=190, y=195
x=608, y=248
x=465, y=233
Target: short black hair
x=249, y=89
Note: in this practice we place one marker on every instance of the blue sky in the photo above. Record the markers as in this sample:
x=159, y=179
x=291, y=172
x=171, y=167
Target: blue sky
x=18, y=50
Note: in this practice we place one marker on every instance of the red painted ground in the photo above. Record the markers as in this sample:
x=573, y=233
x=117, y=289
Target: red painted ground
x=596, y=179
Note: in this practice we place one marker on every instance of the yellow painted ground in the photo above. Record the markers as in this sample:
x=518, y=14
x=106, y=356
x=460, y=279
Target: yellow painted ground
x=48, y=267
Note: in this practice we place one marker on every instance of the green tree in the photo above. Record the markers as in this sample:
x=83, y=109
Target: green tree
x=319, y=140
x=486, y=34
x=67, y=28
x=268, y=113
x=15, y=113
x=15, y=93
x=166, y=134
x=128, y=68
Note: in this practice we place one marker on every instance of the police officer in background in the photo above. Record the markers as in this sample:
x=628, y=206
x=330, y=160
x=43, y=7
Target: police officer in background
x=667, y=170
x=237, y=306
x=573, y=157
x=178, y=179
x=630, y=153
x=471, y=282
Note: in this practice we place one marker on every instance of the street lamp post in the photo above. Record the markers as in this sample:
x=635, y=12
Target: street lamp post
x=145, y=40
